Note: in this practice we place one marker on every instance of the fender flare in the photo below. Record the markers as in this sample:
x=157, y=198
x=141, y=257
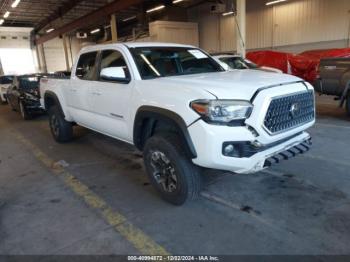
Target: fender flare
x=157, y=113
x=52, y=95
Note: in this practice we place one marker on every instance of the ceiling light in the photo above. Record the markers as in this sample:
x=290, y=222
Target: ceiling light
x=177, y=1
x=129, y=18
x=2, y=21
x=155, y=9
x=275, y=2
x=15, y=3
x=95, y=31
x=49, y=30
x=7, y=14
x=228, y=13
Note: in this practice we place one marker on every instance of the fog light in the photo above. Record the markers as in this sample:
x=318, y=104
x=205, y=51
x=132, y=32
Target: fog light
x=228, y=150
x=257, y=144
x=231, y=149
x=241, y=149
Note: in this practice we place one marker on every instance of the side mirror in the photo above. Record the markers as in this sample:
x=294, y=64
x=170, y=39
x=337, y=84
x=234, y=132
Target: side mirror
x=80, y=72
x=116, y=74
x=223, y=65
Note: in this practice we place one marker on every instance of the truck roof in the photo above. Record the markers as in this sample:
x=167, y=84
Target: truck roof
x=148, y=44
x=136, y=44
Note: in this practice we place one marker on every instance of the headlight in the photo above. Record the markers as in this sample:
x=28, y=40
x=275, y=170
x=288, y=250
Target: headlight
x=30, y=96
x=222, y=111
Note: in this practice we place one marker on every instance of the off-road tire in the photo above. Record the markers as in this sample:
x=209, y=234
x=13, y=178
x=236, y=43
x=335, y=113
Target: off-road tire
x=61, y=130
x=188, y=178
x=23, y=111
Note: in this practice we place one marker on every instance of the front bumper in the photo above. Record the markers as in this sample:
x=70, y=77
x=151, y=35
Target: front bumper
x=289, y=153
x=209, y=139
x=33, y=106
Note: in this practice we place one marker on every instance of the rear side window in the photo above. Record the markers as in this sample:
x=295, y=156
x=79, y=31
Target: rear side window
x=86, y=68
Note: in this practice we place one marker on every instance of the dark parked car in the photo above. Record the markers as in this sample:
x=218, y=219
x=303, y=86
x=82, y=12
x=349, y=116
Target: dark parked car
x=23, y=95
x=230, y=61
x=63, y=74
x=334, y=79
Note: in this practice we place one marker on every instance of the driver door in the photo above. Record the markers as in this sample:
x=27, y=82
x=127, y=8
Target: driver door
x=111, y=95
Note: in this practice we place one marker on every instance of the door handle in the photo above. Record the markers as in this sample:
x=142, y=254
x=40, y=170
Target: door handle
x=73, y=90
x=96, y=93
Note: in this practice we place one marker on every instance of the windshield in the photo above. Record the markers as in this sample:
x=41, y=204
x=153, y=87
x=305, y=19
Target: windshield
x=154, y=62
x=237, y=63
x=28, y=82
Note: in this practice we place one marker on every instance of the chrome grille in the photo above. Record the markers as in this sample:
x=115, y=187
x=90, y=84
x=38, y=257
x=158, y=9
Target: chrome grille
x=288, y=112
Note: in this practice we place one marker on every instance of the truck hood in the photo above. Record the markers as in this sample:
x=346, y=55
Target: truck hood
x=240, y=84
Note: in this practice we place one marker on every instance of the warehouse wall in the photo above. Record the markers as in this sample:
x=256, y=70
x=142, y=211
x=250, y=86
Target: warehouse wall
x=170, y=31
x=55, y=56
x=14, y=46
x=293, y=26
x=297, y=23
x=14, y=37
x=216, y=33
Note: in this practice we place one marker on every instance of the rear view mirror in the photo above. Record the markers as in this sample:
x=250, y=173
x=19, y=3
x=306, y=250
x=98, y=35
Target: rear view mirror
x=114, y=74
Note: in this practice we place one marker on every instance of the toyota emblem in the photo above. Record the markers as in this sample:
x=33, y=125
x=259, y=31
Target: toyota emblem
x=294, y=109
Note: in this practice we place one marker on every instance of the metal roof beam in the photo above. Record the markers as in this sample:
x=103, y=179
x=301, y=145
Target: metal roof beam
x=69, y=5
x=94, y=17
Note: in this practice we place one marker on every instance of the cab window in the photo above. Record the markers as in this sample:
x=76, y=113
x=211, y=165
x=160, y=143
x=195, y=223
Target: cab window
x=86, y=68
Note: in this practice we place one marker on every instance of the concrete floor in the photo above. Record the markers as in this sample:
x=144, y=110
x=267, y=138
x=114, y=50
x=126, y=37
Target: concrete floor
x=98, y=200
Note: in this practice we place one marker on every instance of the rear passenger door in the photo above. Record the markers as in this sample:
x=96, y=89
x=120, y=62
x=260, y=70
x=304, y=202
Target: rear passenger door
x=112, y=95
x=79, y=93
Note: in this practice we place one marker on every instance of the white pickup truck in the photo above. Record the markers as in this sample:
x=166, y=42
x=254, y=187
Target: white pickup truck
x=178, y=105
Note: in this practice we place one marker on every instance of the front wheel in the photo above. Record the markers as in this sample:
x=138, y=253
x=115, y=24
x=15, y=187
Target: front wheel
x=3, y=101
x=170, y=170
x=348, y=105
x=24, y=112
x=61, y=130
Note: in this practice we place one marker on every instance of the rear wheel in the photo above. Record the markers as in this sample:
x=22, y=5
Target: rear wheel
x=24, y=112
x=61, y=130
x=170, y=170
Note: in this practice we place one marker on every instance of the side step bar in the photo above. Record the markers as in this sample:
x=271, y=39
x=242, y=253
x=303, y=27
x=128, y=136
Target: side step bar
x=290, y=153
